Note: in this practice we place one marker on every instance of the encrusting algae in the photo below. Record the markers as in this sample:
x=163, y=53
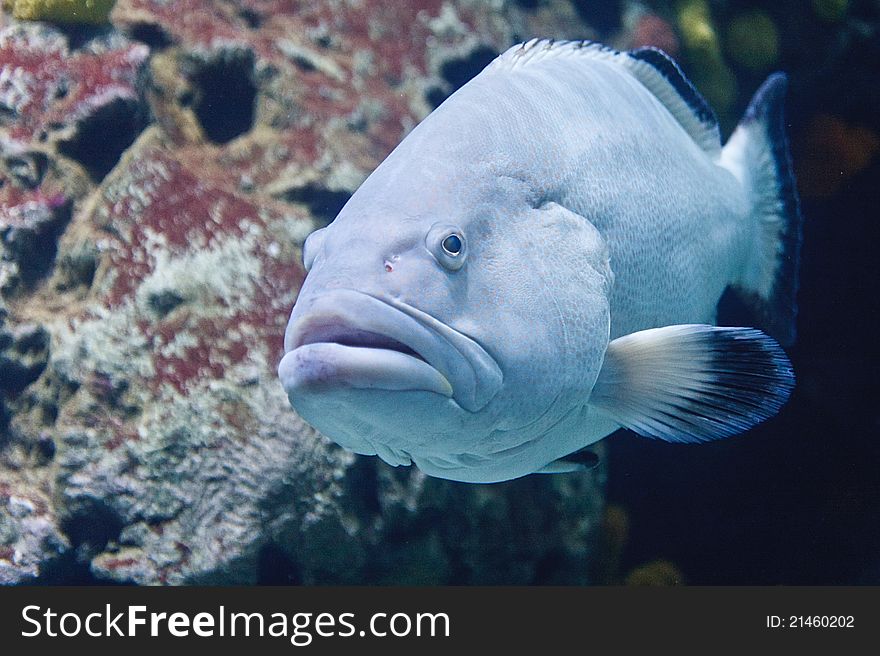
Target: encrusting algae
x=61, y=11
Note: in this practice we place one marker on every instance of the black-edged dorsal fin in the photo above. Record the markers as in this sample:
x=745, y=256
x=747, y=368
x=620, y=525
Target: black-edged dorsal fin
x=663, y=77
x=657, y=72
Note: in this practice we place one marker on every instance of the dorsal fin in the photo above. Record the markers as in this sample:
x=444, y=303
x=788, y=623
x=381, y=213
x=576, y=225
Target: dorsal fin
x=652, y=67
x=542, y=49
x=662, y=77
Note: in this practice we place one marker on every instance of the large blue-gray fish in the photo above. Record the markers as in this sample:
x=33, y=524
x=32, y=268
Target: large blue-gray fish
x=538, y=264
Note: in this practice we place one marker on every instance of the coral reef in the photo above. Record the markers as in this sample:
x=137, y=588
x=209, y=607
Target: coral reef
x=158, y=180
x=30, y=535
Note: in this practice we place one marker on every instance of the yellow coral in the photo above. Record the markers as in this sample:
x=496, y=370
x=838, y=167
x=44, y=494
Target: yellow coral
x=655, y=573
x=61, y=11
x=696, y=26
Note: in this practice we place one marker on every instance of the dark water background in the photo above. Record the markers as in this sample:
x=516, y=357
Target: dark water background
x=796, y=501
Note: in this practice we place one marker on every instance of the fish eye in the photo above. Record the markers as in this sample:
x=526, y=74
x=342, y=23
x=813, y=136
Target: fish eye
x=452, y=245
x=448, y=245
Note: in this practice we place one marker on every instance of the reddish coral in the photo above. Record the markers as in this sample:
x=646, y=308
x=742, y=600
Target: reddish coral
x=113, y=564
x=164, y=204
x=19, y=206
x=159, y=196
x=183, y=197
x=47, y=87
x=394, y=35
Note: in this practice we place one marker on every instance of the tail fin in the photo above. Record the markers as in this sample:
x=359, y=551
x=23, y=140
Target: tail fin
x=757, y=153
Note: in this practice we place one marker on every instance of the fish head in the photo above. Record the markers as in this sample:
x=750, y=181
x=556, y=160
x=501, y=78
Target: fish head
x=446, y=327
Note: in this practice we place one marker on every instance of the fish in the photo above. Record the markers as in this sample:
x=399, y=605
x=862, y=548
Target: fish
x=539, y=263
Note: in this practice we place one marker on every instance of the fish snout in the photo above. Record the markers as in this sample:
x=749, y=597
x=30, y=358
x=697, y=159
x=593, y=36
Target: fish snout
x=384, y=339
x=341, y=338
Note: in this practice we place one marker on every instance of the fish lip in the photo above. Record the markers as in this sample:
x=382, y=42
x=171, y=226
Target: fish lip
x=325, y=366
x=326, y=330
x=377, y=323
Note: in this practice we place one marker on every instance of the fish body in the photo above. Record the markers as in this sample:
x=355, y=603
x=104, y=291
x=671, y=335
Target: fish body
x=539, y=263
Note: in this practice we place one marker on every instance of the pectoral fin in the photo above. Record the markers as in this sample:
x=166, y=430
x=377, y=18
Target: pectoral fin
x=692, y=383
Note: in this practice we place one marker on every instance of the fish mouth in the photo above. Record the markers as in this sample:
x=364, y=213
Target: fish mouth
x=348, y=338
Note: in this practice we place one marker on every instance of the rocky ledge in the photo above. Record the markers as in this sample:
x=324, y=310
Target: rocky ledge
x=158, y=175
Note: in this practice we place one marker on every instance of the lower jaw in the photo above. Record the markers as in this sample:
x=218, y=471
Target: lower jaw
x=366, y=420
x=329, y=365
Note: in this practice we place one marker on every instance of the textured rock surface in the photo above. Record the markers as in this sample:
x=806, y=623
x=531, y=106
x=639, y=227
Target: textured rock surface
x=158, y=179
